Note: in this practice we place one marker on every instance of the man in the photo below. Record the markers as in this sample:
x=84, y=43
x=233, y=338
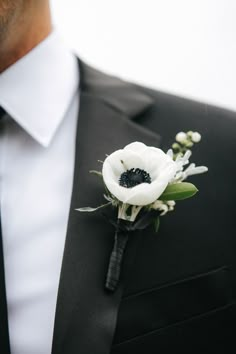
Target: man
x=58, y=117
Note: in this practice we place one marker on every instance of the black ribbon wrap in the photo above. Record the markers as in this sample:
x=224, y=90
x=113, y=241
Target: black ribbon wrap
x=115, y=262
x=124, y=229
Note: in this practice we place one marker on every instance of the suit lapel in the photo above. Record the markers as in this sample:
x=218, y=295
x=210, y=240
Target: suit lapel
x=4, y=335
x=86, y=314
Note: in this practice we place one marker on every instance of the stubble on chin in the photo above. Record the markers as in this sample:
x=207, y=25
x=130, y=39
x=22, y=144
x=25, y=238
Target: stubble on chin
x=8, y=10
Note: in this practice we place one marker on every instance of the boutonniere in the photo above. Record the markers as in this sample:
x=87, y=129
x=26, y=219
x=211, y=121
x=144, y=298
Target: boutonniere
x=143, y=183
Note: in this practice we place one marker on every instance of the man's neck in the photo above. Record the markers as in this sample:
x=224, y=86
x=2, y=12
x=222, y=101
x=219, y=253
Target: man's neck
x=22, y=39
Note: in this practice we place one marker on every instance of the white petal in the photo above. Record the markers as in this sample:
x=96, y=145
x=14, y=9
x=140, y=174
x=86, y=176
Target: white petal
x=113, y=166
x=118, y=191
x=145, y=193
x=168, y=171
x=136, y=147
x=132, y=160
x=170, y=153
x=155, y=161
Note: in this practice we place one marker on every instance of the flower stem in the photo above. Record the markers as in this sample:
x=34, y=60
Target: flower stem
x=122, y=212
x=115, y=263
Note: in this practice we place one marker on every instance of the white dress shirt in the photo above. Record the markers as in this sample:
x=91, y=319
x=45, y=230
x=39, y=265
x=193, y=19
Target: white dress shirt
x=37, y=148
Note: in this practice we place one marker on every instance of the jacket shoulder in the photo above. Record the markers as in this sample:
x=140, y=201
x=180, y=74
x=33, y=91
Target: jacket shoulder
x=157, y=110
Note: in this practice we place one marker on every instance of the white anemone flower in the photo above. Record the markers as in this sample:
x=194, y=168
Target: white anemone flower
x=138, y=174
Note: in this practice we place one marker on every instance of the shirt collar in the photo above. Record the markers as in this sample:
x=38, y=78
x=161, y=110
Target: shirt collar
x=37, y=90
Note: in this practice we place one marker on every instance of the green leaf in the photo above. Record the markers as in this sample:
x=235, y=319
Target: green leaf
x=157, y=224
x=91, y=210
x=179, y=191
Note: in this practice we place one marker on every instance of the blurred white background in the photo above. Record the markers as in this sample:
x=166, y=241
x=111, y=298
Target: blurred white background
x=186, y=47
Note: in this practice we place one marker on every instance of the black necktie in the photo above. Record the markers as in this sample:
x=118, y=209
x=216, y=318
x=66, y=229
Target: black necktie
x=4, y=333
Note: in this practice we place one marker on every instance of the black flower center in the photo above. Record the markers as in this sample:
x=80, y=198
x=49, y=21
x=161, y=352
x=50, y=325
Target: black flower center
x=133, y=177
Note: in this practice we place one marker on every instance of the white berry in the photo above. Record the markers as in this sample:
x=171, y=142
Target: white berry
x=196, y=137
x=181, y=137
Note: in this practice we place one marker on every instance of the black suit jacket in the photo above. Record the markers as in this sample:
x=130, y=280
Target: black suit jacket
x=177, y=289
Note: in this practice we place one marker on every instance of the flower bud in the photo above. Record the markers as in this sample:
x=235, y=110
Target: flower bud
x=171, y=203
x=196, y=137
x=181, y=137
x=189, y=144
x=176, y=146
